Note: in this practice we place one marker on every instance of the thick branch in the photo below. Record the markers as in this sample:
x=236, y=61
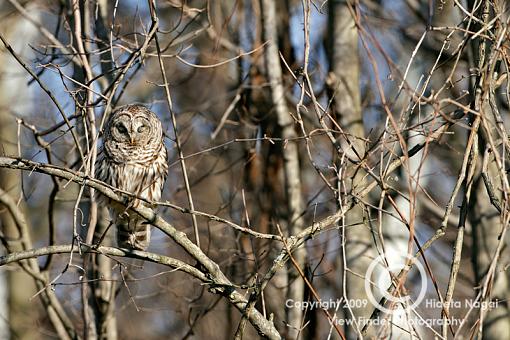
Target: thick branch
x=135, y=254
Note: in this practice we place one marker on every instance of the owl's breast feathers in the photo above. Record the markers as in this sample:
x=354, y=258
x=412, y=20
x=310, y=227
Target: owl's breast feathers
x=127, y=153
x=140, y=171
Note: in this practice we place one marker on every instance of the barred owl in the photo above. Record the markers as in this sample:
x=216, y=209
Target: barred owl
x=133, y=159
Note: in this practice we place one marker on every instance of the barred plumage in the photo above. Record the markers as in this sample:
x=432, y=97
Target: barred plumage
x=133, y=158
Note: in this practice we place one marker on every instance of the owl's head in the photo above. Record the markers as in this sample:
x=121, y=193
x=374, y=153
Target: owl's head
x=134, y=125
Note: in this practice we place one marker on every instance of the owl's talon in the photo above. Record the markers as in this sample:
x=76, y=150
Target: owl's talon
x=78, y=239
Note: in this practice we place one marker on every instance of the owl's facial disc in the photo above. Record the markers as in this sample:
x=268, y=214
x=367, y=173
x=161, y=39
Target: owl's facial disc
x=140, y=131
x=120, y=129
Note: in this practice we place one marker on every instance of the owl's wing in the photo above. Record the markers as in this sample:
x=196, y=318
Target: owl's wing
x=99, y=163
x=165, y=171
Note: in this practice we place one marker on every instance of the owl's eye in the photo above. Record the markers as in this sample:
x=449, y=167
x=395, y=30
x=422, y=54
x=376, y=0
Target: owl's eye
x=121, y=128
x=141, y=128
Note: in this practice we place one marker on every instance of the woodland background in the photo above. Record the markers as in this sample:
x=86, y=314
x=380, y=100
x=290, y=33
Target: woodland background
x=333, y=131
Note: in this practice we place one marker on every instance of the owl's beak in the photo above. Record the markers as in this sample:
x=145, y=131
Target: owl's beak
x=132, y=139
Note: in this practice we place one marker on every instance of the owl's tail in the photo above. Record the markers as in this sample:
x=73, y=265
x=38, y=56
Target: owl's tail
x=133, y=233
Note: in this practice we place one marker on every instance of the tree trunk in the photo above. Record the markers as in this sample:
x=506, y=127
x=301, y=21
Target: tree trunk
x=290, y=153
x=17, y=312
x=487, y=223
x=344, y=88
